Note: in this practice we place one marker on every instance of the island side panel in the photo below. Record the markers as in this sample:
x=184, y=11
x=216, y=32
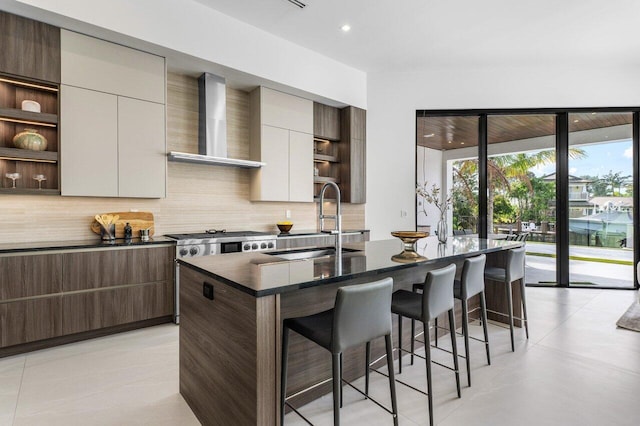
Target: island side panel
x=496, y=293
x=227, y=354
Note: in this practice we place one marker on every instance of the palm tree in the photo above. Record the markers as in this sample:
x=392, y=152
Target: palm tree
x=504, y=169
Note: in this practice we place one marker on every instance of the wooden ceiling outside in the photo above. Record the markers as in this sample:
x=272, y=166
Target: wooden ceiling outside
x=454, y=132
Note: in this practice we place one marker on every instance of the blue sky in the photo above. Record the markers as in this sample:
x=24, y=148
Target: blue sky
x=599, y=160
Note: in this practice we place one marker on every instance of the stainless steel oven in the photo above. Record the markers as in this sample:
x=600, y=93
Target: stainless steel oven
x=215, y=242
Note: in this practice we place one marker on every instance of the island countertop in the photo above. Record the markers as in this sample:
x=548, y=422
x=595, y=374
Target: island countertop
x=262, y=274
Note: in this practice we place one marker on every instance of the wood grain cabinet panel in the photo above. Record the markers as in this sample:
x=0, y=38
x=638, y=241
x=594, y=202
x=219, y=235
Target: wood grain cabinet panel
x=26, y=321
x=237, y=362
x=105, y=308
x=326, y=122
x=99, y=269
x=29, y=48
x=26, y=276
x=353, y=155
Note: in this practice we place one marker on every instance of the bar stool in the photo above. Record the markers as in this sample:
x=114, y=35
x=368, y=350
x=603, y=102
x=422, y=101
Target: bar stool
x=361, y=313
x=471, y=283
x=514, y=271
x=436, y=299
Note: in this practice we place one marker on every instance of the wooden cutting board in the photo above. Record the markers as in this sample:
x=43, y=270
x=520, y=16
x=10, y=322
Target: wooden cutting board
x=137, y=221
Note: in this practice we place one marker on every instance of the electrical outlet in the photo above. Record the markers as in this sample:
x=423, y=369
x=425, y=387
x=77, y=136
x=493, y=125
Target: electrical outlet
x=403, y=213
x=287, y=214
x=207, y=290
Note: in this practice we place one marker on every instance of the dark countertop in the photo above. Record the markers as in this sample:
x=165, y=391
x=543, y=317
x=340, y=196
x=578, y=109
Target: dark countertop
x=260, y=274
x=80, y=244
x=315, y=232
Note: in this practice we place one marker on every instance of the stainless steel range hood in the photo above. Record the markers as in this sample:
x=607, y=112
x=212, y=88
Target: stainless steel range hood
x=212, y=129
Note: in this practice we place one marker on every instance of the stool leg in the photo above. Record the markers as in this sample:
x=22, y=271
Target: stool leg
x=392, y=380
x=341, y=382
x=524, y=306
x=510, y=310
x=454, y=345
x=427, y=355
x=465, y=331
x=283, y=371
x=413, y=338
x=337, y=374
x=435, y=327
x=366, y=368
x=399, y=344
x=483, y=309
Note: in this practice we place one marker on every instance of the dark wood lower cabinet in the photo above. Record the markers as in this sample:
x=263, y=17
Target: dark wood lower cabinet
x=106, y=308
x=52, y=299
x=29, y=320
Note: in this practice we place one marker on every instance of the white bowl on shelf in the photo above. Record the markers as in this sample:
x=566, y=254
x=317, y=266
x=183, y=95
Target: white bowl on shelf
x=32, y=106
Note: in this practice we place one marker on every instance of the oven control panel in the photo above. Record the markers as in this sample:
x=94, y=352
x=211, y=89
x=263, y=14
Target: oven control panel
x=195, y=250
x=258, y=245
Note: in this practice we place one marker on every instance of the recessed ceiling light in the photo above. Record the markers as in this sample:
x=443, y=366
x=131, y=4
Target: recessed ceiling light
x=346, y=28
x=461, y=143
x=430, y=135
x=576, y=120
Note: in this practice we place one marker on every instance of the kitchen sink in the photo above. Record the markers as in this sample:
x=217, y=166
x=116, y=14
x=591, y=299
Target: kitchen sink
x=308, y=253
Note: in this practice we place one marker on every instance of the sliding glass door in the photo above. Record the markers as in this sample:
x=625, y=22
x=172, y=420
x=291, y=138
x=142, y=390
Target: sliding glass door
x=521, y=187
x=600, y=180
x=567, y=179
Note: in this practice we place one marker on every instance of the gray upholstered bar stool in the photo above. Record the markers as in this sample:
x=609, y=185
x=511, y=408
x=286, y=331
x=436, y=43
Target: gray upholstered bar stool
x=361, y=313
x=436, y=299
x=514, y=271
x=472, y=283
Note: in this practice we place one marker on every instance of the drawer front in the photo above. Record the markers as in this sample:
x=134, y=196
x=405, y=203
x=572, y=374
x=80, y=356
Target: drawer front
x=99, y=269
x=31, y=275
x=105, y=308
x=26, y=321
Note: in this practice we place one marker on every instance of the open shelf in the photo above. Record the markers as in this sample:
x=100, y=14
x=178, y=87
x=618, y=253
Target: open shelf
x=29, y=191
x=27, y=117
x=329, y=158
x=28, y=155
x=325, y=179
x=13, y=120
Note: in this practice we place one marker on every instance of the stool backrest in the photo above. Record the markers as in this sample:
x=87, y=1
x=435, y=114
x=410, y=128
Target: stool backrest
x=362, y=313
x=472, y=279
x=437, y=297
x=515, y=264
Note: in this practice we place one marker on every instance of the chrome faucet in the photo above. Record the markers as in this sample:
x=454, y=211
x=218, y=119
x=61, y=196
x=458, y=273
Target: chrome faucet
x=337, y=231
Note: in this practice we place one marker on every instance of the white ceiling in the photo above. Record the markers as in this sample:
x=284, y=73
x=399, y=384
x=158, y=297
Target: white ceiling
x=412, y=35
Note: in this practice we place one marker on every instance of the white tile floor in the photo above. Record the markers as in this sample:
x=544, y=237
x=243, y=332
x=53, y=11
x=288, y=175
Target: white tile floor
x=577, y=368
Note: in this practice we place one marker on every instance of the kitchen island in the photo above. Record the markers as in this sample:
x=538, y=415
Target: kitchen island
x=233, y=307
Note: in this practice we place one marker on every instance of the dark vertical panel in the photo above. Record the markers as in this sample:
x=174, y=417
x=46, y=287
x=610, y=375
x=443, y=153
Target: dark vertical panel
x=562, y=199
x=482, y=176
x=636, y=192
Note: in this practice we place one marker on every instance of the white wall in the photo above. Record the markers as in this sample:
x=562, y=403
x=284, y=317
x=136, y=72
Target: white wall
x=429, y=169
x=393, y=99
x=191, y=28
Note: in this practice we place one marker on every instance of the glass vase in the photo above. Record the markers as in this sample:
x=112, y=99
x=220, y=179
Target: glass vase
x=442, y=230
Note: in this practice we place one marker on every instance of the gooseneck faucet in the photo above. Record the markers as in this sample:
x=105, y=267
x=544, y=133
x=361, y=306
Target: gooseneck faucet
x=337, y=231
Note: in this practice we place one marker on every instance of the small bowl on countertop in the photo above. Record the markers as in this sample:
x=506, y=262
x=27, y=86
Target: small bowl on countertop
x=284, y=227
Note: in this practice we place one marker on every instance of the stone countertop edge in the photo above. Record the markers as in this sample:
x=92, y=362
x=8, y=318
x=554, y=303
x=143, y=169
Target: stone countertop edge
x=80, y=244
x=287, y=287
x=297, y=286
x=312, y=233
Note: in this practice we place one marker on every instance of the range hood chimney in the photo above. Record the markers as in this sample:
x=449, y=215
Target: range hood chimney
x=212, y=127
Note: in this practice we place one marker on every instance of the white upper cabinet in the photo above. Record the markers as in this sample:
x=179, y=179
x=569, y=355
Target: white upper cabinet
x=281, y=136
x=99, y=65
x=112, y=120
x=279, y=109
